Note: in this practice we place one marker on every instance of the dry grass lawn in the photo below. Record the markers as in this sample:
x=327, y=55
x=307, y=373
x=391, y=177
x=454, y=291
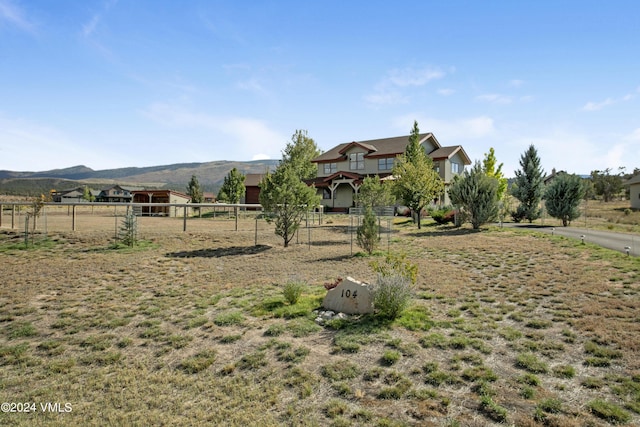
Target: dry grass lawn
x=506, y=327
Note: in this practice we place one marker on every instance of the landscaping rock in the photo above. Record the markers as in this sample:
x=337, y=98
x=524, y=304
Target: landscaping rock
x=350, y=296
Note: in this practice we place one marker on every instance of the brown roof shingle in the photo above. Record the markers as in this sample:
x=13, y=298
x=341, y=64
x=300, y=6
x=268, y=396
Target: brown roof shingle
x=385, y=147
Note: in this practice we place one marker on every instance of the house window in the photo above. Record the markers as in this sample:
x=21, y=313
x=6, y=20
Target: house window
x=385, y=164
x=356, y=161
x=456, y=168
x=330, y=168
x=326, y=194
x=437, y=168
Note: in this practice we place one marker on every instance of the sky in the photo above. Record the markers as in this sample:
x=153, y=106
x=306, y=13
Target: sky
x=119, y=83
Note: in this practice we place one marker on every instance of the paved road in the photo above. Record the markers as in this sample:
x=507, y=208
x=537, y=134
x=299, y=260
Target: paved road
x=607, y=239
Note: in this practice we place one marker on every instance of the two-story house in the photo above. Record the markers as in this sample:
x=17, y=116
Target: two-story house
x=115, y=194
x=342, y=168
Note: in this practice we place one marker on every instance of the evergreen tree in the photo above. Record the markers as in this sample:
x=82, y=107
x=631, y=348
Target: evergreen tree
x=475, y=194
x=529, y=186
x=232, y=188
x=414, y=150
x=489, y=168
x=367, y=233
x=563, y=197
x=417, y=184
x=287, y=199
x=86, y=194
x=194, y=190
x=373, y=193
x=298, y=155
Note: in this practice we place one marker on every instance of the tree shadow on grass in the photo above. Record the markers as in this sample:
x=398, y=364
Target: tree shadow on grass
x=333, y=258
x=448, y=231
x=220, y=252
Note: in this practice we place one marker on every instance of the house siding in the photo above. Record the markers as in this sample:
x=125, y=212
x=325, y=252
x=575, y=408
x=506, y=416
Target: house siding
x=634, y=195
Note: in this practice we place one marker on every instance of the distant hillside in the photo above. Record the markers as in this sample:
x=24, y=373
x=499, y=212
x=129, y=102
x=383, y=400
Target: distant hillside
x=174, y=177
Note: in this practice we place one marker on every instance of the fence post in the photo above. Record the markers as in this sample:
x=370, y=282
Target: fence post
x=13, y=216
x=73, y=218
x=351, y=231
x=256, y=233
x=235, y=211
x=388, y=234
x=184, y=219
x=1, y=211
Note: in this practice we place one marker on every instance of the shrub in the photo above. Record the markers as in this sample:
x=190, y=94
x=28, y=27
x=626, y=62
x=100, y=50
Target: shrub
x=367, y=233
x=395, y=264
x=391, y=295
x=292, y=291
x=443, y=216
x=394, y=287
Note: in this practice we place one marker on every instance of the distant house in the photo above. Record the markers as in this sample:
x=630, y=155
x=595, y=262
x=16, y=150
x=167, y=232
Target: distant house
x=634, y=191
x=208, y=197
x=73, y=195
x=115, y=194
x=342, y=169
x=160, y=197
x=554, y=174
x=252, y=188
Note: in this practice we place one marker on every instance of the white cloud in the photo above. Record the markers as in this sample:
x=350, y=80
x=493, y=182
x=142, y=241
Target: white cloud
x=495, y=98
x=244, y=137
x=386, y=97
x=515, y=83
x=452, y=131
x=90, y=27
x=251, y=85
x=445, y=92
x=389, y=90
x=14, y=15
x=634, y=136
x=30, y=146
x=414, y=77
x=595, y=106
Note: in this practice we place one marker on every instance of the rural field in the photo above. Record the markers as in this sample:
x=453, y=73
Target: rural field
x=506, y=327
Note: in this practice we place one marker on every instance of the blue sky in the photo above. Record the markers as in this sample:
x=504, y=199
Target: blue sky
x=120, y=83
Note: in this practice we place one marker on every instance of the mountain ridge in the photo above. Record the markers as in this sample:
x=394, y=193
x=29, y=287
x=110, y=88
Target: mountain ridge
x=172, y=176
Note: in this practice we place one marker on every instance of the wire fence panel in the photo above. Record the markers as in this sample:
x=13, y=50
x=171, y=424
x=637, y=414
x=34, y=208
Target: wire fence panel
x=104, y=223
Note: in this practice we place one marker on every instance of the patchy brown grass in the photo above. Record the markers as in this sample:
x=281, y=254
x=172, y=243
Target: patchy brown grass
x=193, y=328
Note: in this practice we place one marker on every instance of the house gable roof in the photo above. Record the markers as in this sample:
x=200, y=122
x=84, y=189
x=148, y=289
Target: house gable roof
x=253, y=179
x=385, y=147
x=448, y=152
x=633, y=180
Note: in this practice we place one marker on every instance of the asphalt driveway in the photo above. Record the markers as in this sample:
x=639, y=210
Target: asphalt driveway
x=607, y=239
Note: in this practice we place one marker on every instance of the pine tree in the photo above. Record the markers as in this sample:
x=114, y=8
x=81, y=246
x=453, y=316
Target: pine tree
x=529, y=186
x=373, y=193
x=417, y=184
x=232, y=188
x=298, y=154
x=194, y=190
x=287, y=199
x=414, y=150
x=563, y=197
x=490, y=169
x=475, y=193
x=367, y=233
